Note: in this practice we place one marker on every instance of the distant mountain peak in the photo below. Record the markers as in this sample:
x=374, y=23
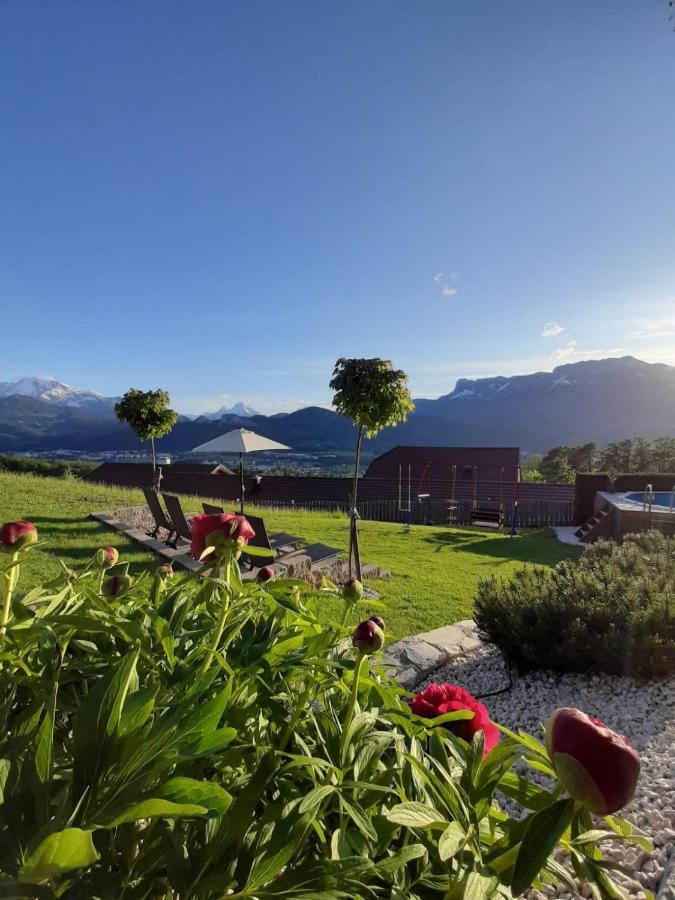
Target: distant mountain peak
x=55, y=392
x=241, y=409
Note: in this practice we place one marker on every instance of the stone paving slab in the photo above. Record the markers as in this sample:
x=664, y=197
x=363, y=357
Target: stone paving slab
x=413, y=658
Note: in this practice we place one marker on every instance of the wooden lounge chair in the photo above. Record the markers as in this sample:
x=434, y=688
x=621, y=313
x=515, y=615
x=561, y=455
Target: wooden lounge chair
x=181, y=526
x=160, y=518
x=315, y=552
x=279, y=541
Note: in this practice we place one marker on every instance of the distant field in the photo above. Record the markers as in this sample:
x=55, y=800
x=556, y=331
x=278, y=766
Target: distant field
x=434, y=569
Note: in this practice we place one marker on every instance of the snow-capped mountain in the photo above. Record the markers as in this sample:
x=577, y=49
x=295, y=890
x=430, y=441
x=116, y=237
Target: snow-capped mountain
x=56, y=392
x=239, y=409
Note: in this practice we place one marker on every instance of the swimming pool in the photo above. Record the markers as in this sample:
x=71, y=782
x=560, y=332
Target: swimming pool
x=660, y=499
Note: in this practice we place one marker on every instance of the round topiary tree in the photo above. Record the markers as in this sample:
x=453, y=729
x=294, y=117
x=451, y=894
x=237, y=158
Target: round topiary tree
x=374, y=396
x=147, y=413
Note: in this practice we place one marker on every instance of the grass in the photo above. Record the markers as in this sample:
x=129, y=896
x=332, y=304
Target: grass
x=435, y=570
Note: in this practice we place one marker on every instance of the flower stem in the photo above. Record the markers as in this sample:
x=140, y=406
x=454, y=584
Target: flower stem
x=220, y=624
x=9, y=581
x=352, y=699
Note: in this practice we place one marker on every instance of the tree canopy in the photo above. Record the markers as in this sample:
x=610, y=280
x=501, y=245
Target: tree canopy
x=147, y=413
x=371, y=393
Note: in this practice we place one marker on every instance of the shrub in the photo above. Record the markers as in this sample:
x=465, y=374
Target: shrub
x=612, y=611
x=201, y=737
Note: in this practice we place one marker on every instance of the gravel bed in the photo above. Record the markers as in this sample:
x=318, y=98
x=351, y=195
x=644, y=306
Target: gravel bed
x=642, y=711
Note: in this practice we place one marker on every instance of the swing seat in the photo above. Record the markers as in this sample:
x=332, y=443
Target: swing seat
x=487, y=517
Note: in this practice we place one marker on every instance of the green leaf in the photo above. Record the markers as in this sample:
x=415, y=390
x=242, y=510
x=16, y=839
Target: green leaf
x=416, y=815
x=524, y=792
x=313, y=800
x=156, y=808
x=542, y=832
x=451, y=841
x=401, y=858
x=200, y=793
x=61, y=852
x=99, y=716
x=262, y=552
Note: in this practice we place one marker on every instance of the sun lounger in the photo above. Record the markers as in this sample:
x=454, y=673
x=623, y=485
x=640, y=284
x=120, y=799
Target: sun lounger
x=180, y=523
x=160, y=518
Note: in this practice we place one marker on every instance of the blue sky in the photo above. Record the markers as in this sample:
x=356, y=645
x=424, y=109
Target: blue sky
x=221, y=198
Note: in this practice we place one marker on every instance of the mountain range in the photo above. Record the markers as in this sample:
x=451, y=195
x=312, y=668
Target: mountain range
x=603, y=401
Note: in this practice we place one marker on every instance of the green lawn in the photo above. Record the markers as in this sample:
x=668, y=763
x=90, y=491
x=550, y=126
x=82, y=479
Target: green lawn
x=434, y=569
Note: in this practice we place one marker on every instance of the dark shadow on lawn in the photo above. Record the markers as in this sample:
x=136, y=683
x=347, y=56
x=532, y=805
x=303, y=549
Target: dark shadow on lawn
x=498, y=548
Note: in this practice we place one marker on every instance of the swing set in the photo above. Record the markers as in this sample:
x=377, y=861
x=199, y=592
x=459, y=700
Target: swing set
x=485, y=512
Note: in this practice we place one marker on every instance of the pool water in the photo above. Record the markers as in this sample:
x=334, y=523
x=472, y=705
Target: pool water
x=659, y=498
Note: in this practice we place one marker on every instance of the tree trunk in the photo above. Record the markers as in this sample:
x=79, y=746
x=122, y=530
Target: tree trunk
x=154, y=460
x=354, y=549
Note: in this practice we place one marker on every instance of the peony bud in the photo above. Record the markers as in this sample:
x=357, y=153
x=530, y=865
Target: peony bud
x=164, y=570
x=115, y=585
x=594, y=764
x=352, y=590
x=368, y=637
x=106, y=557
x=226, y=533
x=379, y=621
x=17, y=535
x=266, y=573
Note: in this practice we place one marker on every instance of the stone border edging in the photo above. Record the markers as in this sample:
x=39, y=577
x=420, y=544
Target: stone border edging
x=413, y=658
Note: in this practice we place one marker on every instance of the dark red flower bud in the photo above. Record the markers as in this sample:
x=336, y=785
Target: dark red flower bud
x=106, y=557
x=115, y=585
x=266, y=573
x=352, y=590
x=164, y=570
x=16, y=535
x=378, y=620
x=594, y=764
x=368, y=637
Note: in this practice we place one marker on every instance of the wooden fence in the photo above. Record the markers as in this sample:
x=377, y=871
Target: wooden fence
x=531, y=513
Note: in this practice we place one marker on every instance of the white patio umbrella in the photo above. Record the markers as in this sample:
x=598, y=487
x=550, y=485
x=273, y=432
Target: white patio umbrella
x=240, y=441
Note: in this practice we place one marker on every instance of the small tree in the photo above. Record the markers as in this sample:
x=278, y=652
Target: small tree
x=374, y=396
x=147, y=413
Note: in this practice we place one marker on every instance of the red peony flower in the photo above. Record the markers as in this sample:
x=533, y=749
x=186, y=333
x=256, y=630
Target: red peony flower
x=15, y=535
x=221, y=530
x=368, y=637
x=438, y=699
x=594, y=764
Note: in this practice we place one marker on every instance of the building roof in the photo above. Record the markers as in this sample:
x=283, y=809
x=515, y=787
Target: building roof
x=440, y=460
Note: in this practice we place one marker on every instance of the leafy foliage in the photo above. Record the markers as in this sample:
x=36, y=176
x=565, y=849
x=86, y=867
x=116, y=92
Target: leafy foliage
x=128, y=767
x=371, y=393
x=147, y=413
x=57, y=468
x=611, y=612
x=560, y=464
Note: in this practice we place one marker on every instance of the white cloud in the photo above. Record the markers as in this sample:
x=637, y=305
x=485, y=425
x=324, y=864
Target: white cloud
x=661, y=327
x=552, y=329
x=566, y=352
x=446, y=279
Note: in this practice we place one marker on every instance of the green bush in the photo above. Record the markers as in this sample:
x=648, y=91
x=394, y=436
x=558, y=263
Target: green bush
x=55, y=468
x=612, y=611
x=182, y=736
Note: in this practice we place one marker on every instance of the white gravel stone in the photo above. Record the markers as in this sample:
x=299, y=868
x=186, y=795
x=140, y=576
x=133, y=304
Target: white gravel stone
x=642, y=711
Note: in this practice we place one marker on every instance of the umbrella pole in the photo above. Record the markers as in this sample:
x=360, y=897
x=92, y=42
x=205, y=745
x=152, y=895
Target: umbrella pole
x=241, y=473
